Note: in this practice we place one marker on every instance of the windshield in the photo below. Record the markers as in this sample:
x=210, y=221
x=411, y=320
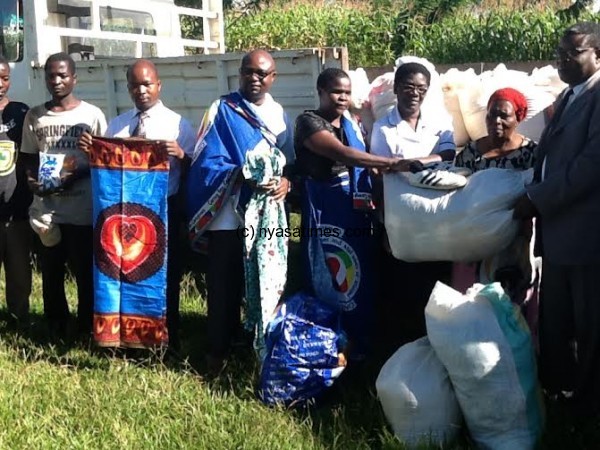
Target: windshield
x=78, y=14
x=11, y=34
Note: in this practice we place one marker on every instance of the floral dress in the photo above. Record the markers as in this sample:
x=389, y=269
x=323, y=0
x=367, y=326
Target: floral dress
x=522, y=158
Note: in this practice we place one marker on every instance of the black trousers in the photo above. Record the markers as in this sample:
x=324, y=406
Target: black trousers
x=16, y=238
x=225, y=288
x=403, y=290
x=570, y=331
x=173, y=271
x=74, y=249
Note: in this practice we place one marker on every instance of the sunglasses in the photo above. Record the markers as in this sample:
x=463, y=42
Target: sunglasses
x=250, y=72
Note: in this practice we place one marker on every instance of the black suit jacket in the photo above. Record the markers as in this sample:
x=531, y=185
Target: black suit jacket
x=568, y=197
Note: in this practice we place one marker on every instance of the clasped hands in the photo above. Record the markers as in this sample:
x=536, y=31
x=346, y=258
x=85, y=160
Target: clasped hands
x=400, y=165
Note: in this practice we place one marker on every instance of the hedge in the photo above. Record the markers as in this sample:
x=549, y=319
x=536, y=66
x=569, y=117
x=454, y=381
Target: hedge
x=376, y=36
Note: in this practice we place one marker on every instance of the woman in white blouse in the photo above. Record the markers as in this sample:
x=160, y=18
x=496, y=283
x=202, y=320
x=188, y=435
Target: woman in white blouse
x=406, y=132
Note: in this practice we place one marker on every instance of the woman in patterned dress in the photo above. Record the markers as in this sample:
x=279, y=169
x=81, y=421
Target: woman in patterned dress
x=505, y=148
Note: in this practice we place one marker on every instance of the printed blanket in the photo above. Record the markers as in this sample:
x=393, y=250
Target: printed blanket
x=227, y=132
x=129, y=185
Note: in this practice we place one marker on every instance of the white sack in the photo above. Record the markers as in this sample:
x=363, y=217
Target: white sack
x=468, y=224
x=381, y=95
x=453, y=82
x=417, y=397
x=359, y=101
x=485, y=345
x=360, y=88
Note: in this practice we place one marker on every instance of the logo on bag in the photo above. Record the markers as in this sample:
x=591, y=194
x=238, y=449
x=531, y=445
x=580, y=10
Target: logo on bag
x=344, y=267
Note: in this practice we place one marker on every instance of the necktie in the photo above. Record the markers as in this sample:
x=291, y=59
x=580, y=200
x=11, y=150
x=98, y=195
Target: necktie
x=539, y=172
x=561, y=108
x=140, y=128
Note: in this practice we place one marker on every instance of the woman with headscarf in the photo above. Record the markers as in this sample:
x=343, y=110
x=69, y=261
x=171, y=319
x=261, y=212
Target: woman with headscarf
x=505, y=148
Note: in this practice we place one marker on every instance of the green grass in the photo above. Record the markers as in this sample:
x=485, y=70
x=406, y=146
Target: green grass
x=71, y=395
x=60, y=395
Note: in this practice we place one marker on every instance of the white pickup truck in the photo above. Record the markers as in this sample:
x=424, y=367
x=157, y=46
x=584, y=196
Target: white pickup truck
x=104, y=36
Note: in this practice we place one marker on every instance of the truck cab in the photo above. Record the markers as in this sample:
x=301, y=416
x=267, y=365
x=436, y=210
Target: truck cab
x=96, y=30
x=105, y=36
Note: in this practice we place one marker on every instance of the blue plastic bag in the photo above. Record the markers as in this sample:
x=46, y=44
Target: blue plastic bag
x=303, y=343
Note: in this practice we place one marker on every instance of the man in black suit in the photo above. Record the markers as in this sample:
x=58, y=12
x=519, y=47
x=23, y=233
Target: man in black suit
x=566, y=200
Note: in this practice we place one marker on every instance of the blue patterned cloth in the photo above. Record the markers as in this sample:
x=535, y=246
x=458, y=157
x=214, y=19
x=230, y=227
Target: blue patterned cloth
x=228, y=130
x=129, y=184
x=338, y=244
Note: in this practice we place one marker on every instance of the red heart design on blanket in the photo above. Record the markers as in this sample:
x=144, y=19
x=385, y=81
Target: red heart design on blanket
x=128, y=240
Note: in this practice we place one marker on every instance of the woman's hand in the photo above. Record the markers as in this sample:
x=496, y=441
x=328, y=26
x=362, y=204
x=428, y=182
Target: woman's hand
x=406, y=165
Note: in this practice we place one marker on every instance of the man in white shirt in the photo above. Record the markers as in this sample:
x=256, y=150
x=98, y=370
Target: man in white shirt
x=225, y=272
x=151, y=119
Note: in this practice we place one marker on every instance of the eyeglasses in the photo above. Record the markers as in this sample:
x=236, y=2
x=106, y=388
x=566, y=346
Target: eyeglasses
x=250, y=72
x=410, y=88
x=571, y=53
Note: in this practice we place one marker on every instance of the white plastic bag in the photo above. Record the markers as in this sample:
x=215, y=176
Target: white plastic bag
x=468, y=224
x=485, y=345
x=417, y=396
x=453, y=82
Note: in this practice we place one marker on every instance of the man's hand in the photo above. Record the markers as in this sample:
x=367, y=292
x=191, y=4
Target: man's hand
x=36, y=187
x=172, y=148
x=70, y=173
x=277, y=189
x=84, y=142
x=524, y=208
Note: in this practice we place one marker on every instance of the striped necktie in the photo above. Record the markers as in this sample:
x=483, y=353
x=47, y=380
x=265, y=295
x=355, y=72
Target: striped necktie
x=140, y=128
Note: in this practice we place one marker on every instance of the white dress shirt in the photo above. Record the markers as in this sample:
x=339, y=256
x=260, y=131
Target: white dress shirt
x=162, y=124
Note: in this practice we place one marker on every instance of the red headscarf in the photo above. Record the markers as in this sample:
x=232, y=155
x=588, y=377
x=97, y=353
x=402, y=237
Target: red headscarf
x=513, y=96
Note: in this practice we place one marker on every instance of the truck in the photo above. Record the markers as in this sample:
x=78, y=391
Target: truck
x=105, y=36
